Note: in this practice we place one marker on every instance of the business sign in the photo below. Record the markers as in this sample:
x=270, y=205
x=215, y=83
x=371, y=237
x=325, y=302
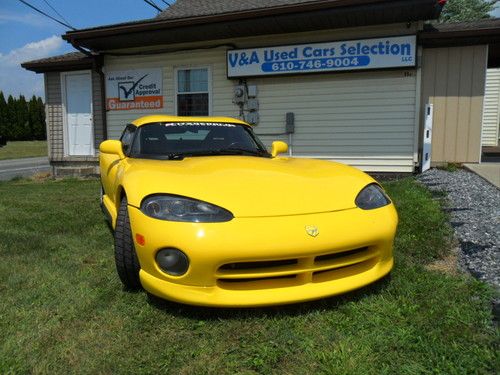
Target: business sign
x=134, y=89
x=390, y=52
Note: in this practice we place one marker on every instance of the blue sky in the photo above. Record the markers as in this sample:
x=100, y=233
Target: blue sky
x=26, y=35
x=496, y=12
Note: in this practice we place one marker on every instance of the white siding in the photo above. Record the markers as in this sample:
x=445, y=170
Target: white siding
x=53, y=103
x=491, y=109
x=364, y=119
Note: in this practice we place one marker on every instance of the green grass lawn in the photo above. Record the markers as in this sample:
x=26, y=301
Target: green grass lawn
x=62, y=309
x=23, y=149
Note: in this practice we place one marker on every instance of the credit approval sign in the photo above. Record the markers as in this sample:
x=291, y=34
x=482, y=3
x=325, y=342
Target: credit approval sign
x=389, y=52
x=134, y=89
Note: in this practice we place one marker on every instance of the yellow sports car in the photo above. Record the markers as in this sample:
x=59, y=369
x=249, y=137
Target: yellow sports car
x=203, y=214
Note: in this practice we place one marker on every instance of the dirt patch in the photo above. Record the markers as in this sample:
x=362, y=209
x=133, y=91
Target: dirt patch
x=40, y=177
x=448, y=264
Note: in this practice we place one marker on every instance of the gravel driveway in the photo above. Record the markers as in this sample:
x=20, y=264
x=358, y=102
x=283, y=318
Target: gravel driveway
x=474, y=206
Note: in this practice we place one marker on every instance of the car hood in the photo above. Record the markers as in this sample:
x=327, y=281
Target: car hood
x=249, y=186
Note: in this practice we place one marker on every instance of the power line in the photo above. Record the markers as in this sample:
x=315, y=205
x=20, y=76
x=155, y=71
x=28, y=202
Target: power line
x=166, y=3
x=54, y=9
x=47, y=15
x=153, y=5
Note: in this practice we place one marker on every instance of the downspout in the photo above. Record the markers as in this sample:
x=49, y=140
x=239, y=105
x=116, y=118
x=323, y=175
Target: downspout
x=98, y=62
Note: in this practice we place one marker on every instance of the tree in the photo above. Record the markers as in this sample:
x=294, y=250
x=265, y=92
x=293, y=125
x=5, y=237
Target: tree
x=3, y=114
x=42, y=133
x=466, y=10
x=36, y=118
x=32, y=115
x=22, y=115
x=11, y=119
x=21, y=120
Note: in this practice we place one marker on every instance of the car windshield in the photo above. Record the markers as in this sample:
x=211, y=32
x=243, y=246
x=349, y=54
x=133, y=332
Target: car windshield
x=176, y=140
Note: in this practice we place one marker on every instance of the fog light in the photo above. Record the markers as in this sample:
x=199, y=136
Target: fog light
x=172, y=261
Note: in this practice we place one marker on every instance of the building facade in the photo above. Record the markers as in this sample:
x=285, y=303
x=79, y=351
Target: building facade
x=320, y=75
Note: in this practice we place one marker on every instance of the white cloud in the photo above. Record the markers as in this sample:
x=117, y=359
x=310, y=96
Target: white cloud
x=16, y=80
x=32, y=51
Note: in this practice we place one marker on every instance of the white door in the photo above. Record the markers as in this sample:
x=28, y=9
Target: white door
x=78, y=89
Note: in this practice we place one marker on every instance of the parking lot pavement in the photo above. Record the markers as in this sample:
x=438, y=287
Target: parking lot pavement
x=489, y=171
x=23, y=167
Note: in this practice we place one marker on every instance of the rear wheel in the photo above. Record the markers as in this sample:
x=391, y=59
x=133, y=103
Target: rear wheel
x=127, y=264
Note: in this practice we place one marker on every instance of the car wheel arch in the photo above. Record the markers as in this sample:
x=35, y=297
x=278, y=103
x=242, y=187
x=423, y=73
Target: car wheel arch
x=120, y=195
x=126, y=261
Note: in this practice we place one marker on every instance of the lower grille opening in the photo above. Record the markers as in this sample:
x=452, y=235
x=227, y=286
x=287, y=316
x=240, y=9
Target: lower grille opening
x=333, y=270
x=289, y=277
x=284, y=273
x=339, y=255
x=262, y=283
x=260, y=264
x=341, y=272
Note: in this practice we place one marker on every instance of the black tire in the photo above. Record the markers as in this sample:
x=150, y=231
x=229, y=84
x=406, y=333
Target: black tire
x=101, y=196
x=127, y=264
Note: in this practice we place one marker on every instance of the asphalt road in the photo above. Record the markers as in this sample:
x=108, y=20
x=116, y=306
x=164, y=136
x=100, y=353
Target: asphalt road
x=23, y=167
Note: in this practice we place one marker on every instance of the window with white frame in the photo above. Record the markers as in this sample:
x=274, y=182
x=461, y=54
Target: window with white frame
x=193, y=92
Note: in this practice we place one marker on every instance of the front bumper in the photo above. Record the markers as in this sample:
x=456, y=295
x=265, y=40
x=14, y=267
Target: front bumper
x=268, y=260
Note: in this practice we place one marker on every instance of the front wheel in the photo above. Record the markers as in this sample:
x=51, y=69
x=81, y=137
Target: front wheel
x=127, y=264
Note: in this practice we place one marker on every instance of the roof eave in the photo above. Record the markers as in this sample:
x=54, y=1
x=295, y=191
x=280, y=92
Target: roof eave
x=57, y=66
x=459, y=37
x=172, y=23
x=81, y=37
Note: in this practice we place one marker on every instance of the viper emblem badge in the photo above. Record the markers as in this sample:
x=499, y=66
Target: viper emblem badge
x=312, y=230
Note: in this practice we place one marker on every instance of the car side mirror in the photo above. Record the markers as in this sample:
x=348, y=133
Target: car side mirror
x=278, y=147
x=112, y=147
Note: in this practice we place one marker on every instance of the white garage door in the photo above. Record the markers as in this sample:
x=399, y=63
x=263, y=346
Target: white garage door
x=363, y=119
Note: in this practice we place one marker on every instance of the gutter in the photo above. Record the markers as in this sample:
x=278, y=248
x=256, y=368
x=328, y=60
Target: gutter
x=57, y=66
x=99, y=63
x=450, y=37
x=451, y=34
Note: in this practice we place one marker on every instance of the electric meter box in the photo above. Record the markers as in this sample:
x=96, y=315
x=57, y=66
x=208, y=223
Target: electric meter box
x=252, y=105
x=252, y=91
x=239, y=94
x=252, y=118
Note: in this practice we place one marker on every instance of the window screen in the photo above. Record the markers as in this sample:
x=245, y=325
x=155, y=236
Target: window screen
x=192, y=92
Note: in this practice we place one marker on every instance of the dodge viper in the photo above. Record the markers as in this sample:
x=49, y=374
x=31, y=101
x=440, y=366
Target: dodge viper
x=203, y=214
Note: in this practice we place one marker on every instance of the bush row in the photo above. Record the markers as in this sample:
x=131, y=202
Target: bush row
x=22, y=120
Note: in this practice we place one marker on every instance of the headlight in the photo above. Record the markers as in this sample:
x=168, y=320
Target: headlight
x=176, y=208
x=372, y=196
